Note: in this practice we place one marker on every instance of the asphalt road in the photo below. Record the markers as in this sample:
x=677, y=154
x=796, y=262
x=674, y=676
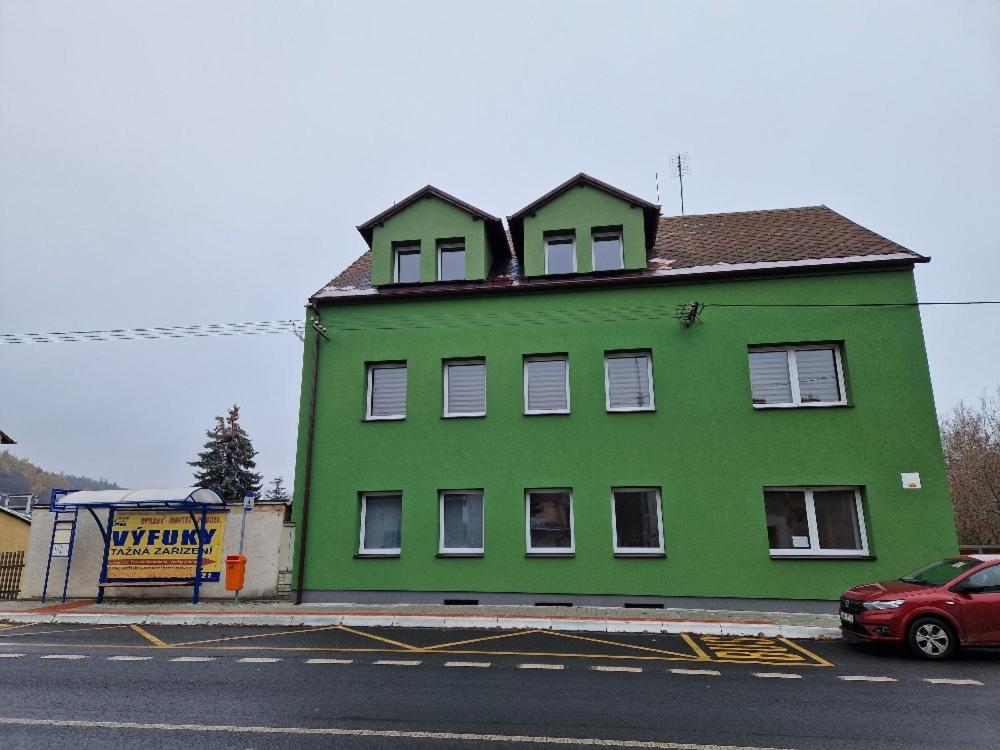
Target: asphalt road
x=225, y=687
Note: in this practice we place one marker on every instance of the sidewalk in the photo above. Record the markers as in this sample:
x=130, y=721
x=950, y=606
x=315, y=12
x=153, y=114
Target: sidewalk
x=285, y=614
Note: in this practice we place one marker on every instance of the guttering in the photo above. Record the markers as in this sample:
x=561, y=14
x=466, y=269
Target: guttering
x=617, y=280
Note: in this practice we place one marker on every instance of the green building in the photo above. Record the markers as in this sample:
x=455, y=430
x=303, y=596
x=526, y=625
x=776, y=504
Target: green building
x=595, y=403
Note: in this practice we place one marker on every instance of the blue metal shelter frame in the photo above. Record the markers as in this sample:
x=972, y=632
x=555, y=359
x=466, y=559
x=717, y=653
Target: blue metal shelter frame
x=196, y=501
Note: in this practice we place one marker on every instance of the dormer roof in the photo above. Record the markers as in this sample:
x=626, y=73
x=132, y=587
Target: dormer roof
x=651, y=211
x=368, y=227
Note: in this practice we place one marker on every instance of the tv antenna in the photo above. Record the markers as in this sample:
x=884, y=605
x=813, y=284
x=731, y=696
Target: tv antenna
x=680, y=165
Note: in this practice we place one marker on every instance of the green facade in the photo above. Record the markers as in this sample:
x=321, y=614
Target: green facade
x=579, y=212
x=427, y=223
x=705, y=446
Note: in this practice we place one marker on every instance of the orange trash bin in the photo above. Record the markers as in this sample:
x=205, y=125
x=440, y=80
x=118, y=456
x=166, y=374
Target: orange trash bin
x=236, y=568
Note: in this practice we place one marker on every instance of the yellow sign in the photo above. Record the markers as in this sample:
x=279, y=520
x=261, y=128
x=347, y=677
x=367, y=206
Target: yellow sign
x=164, y=545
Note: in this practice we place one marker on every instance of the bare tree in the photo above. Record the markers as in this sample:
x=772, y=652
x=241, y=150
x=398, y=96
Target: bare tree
x=970, y=436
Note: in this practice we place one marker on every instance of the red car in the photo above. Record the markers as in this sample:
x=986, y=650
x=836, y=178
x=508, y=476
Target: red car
x=934, y=610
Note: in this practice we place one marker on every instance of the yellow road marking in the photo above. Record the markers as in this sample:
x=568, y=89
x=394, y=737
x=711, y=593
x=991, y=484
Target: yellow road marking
x=72, y=630
x=22, y=625
x=695, y=647
x=148, y=636
x=613, y=643
x=820, y=661
x=379, y=638
x=255, y=635
x=414, y=650
x=512, y=634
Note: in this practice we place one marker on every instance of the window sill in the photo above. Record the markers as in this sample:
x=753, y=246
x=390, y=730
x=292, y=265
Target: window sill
x=550, y=554
x=460, y=554
x=653, y=555
x=821, y=556
x=631, y=411
x=763, y=407
x=384, y=419
x=463, y=416
x=376, y=556
x=546, y=413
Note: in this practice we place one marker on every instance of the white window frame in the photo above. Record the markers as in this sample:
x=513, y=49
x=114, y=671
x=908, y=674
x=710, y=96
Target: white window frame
x=814, y=550
x=387, y=552
x=545, y=358
x=659, y=521
x=572, y=245
x=793, y=374
x=571, y=549
x=607, y=380
x=370, y=392
x=459, y=414
x=604, y=234
x=442, y=550
x=450, y=246
x=406, y=249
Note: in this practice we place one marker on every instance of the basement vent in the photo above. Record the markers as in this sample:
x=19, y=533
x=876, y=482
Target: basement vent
x=642, y=605
x=462, y=601
x=553, y=604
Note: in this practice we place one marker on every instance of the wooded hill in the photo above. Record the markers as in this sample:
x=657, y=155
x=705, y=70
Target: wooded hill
x=19, y=476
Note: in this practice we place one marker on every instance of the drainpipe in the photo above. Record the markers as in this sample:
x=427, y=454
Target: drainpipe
x=319, y=331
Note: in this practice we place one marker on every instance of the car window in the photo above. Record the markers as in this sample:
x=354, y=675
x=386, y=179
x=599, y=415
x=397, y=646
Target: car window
x=987, y=580
x=940, y=572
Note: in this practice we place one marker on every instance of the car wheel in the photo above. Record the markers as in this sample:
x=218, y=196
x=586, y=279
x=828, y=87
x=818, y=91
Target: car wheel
x=931, y=638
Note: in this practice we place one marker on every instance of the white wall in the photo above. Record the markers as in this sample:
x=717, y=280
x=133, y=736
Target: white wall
x=262, y=546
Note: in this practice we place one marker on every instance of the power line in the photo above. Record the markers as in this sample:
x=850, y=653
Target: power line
x=201, y=330
x=687, y=312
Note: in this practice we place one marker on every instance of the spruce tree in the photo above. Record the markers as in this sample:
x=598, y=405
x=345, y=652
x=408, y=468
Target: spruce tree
x=276, y=492
x=227, y=462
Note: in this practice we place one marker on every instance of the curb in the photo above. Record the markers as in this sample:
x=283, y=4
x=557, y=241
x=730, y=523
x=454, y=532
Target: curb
x=474, y=622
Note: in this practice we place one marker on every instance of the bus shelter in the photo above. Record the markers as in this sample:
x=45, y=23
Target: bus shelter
x=195, y=502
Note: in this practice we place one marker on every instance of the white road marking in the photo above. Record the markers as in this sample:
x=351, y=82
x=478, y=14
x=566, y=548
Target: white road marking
x=606, y=668
x=259, y=660
x=129, y=658
x=541, y=666
x=943, y=681
x=778, y=675
x=399, y=662
x=712, y=672
x=10, y=656
x=389, y=733
x=193, y=658
x=865, y=678
x=479, y=664
x=63, y=656
x=329, y=661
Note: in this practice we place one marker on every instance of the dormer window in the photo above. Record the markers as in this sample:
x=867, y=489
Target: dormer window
x=608, y=255
x=451, y=261
x=560, y=253
x=406, y=264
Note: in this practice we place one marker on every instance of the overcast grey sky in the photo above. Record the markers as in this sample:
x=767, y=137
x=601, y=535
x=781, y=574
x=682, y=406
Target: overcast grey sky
x=199, y=162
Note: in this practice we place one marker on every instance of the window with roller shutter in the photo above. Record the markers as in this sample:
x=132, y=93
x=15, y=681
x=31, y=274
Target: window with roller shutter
x=802, y=375
x=465, y=388
x=386, y=398
x=546, y=384
x=628, y=381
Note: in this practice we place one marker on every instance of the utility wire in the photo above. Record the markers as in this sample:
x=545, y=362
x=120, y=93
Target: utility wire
x=258, y=328
x=201, y=330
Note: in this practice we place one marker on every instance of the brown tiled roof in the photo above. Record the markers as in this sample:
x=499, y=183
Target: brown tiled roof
x=744, y=242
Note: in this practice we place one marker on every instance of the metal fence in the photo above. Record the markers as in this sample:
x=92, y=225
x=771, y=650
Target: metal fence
x=11, y=565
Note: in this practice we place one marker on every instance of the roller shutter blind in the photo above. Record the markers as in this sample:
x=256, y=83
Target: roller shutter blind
x=628, y=382
x=466, y=388
x=388, y=391
x=547, y=386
